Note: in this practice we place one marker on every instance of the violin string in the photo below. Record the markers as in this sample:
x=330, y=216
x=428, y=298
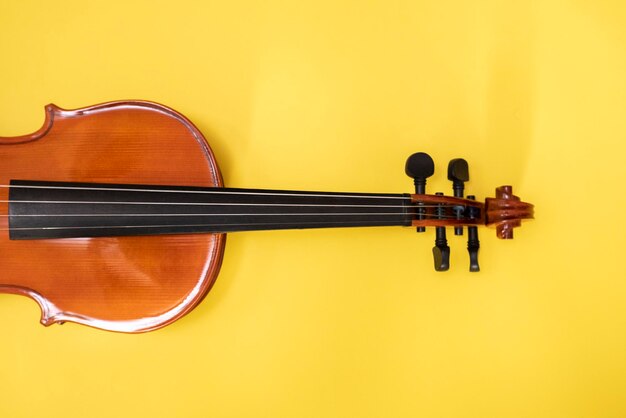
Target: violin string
x=148, y=215
x=416, y=205
x=343, y=223
x=226, y=191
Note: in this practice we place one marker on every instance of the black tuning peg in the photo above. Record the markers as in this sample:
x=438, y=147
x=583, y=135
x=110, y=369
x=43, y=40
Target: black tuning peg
x=419, y=167
x=458, y=174
x=441, y=250
x=473, y=245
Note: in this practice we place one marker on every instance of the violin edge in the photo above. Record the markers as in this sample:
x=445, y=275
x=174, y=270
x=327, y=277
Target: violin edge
x=52, y=111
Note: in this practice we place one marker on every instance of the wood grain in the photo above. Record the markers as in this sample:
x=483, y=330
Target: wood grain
x=127, y=284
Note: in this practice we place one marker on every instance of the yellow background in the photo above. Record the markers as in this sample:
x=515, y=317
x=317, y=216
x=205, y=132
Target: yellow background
x=334, y=95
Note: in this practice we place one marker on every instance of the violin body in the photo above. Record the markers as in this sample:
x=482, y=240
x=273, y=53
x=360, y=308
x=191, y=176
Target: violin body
x=127, y=284
x=114, y=216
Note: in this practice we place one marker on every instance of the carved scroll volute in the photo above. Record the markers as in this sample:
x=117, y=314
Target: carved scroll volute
x=506, y=211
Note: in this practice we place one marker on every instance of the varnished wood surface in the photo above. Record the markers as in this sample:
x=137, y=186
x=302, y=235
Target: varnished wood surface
x=506, y=211
x=128, y=284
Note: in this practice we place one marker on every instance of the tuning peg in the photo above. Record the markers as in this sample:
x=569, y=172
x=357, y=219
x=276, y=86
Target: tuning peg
x=458, y=174
x=441, y=250
x=473, y=245
x=419, y=167
x=441, y=255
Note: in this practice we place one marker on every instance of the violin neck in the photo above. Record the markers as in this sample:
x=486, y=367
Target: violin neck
x=45, y=210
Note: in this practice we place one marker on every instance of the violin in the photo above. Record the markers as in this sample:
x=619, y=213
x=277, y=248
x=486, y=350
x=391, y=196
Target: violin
x=115, y=215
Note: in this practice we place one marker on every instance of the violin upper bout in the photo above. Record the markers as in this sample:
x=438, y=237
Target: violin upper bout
x=506, y=211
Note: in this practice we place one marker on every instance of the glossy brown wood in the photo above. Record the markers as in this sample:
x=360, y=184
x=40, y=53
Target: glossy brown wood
x=431, y=200
x=506, y=211
x=128, y=284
